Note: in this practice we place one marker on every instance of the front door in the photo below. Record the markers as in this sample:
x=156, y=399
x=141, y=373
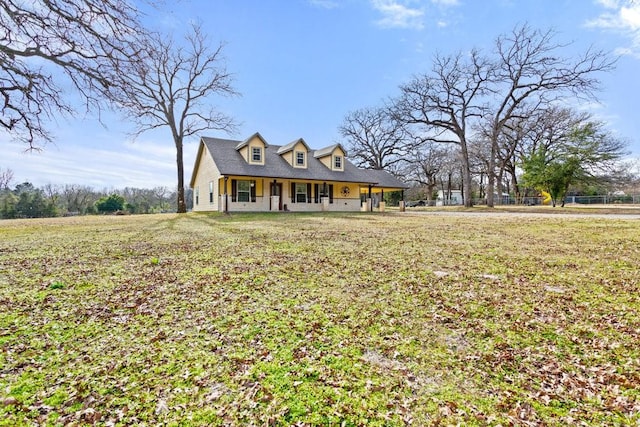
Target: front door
x=276, y=190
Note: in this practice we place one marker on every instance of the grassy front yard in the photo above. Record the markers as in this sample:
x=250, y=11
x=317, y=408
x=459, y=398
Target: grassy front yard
x=311, y=319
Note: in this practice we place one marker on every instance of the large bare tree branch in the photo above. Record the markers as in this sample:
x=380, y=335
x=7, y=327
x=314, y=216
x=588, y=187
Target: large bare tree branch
x=41, y=41
x=375, y=139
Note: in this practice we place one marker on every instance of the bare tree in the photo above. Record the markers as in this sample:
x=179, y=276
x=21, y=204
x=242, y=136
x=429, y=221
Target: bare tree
x=445, y=103
x=427, y=163
x=530, y=73
x=52, y=193
x=508, y=143
x=163, y=196
x=450, y=176
x=78, y=199
x=6, y=177
x=375, y=139
x=504, y=150
x=42, y=41
x=173, y=86
x=479, y=148
x=547, y=128
x=629, y=178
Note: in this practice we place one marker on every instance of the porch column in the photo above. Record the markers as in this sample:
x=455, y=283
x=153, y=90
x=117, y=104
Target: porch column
x=226, y=195
x=370, y=200
x=274, y=199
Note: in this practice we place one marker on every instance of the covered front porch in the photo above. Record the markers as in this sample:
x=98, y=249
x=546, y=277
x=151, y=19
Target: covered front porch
x=372, y=198
x=258, y=194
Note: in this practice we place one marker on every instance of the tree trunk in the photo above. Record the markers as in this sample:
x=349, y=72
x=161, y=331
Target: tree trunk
x=516, y=186
x=564, y=195
x=491, y=175
x=182, y=207
x=499, y=187
x=491, y=188
x=466, y=175
x=431, y=185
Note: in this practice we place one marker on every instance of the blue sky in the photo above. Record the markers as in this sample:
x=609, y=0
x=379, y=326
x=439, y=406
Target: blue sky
x=301, y=65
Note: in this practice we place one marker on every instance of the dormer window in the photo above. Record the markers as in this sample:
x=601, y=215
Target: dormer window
x=252, y=149
x=333, y=157
x=256, y=154
x=295, y=153
x=337, y=162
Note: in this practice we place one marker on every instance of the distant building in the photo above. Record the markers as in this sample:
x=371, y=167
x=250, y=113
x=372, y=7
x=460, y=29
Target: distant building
x=449, y=198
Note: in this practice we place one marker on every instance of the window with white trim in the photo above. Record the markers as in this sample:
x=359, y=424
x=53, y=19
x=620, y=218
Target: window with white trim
x=301, y=193
x=299, y=158
x=337, y=162
x=197, y=195
x=244, y=191
x=256, y=154
x=210, y=191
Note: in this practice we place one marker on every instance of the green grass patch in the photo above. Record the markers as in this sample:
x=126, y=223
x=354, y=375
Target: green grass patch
x=320, y=319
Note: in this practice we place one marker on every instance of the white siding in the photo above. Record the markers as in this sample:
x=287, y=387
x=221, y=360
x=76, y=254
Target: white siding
x=206, y=172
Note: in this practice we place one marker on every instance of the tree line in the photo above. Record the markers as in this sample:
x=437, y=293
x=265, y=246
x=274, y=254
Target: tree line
x=489, y=123
x=24, y=200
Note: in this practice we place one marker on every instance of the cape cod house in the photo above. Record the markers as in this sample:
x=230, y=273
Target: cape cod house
x=252, y=175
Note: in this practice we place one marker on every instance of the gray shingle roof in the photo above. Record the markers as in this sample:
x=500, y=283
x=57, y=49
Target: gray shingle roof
x=230, y=162
x=289, y=146
x=328, y=150
x=383, y=178
x=246, y=141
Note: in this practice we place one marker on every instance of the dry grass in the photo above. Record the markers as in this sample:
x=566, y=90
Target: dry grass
x=313, y=319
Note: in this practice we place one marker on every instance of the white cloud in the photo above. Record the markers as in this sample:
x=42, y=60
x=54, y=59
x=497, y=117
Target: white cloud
x=324, y=4
x=412, y=14
x=623, y=17
x=396, y=14
x=623, y=51
x=609, y=4
x=630, y=16
x=446, y=3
